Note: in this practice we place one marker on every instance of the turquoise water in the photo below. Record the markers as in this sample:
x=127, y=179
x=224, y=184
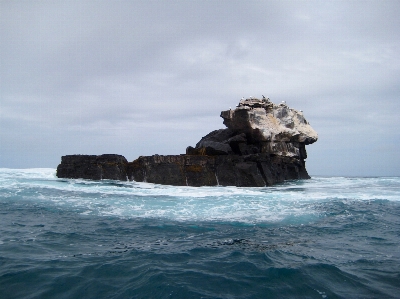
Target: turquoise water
x=328, y=237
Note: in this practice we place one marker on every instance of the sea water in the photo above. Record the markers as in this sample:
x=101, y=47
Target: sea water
x=328, y=237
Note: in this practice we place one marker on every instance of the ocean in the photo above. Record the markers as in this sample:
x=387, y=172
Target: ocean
x=328, y=237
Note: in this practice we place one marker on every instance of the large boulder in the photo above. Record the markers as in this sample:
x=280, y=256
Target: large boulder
x=260, y=126
x=262, y=120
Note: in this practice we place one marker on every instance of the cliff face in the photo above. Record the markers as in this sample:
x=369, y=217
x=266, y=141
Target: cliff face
x=112, y=167
x=256, y=170
x=263, y=144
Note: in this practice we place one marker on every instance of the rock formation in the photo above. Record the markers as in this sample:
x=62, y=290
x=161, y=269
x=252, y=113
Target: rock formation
x=263, y=144
x=112, y=167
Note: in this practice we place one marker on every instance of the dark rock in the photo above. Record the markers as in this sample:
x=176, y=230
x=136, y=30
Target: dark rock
x=112, y=167
x=227, y=170
x=216, y=136
x=240, y=138
x=212, y=148
x=181, y=170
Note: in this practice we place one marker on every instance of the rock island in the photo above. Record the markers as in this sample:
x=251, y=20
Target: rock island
x=263, y=144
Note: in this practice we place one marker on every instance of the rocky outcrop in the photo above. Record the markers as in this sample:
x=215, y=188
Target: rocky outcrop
x=263, y=144
x=255, y=170
x=268, y=128
x=112, y=167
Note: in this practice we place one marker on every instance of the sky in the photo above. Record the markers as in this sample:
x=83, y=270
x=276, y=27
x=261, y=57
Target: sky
x=139, y=78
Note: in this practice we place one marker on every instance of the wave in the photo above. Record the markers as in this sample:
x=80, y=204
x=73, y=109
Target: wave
x=291, y=202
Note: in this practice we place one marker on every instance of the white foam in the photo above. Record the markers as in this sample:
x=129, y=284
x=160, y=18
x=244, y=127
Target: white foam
x=30, y=173
x=292, y=201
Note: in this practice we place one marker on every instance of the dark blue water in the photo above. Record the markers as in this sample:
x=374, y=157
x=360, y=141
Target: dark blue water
x=320, y=238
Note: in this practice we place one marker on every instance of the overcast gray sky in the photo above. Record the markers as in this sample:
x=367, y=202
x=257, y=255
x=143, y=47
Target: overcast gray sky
x=151, y=77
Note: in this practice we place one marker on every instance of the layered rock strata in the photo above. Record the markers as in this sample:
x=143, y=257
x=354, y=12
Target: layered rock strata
x=263, y=144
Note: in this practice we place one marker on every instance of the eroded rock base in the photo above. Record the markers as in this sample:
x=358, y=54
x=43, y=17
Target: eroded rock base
x=256, y=170
x=111, y=167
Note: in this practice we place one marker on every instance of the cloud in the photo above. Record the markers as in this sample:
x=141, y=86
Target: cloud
x=145, y=77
